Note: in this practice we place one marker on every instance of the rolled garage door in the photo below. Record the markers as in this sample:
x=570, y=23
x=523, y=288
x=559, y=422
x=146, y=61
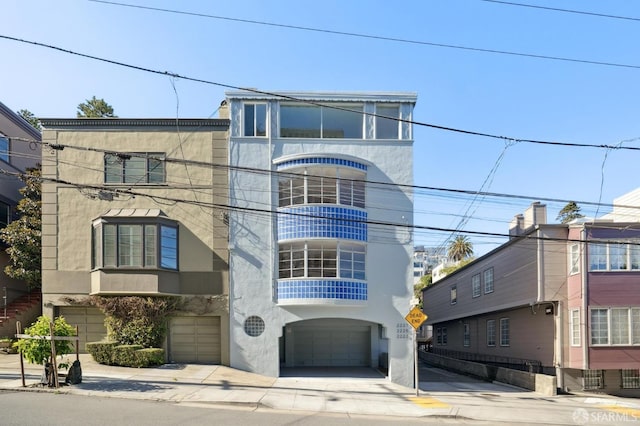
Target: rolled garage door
x=322, y=347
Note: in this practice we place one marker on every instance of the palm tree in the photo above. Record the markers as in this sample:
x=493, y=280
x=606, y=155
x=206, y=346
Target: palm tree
x=460, y=248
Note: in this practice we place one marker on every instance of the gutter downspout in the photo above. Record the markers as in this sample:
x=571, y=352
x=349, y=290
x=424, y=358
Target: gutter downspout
x=585, y=301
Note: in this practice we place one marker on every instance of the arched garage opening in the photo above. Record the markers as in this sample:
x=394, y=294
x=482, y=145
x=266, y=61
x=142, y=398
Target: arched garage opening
x=332, y=342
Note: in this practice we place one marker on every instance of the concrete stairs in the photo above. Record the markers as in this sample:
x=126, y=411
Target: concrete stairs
x=26, y=309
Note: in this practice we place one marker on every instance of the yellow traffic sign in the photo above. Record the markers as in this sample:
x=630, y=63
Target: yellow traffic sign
x=416, y=317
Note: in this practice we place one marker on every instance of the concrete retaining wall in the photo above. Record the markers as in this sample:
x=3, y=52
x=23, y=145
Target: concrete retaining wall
x=540, y=383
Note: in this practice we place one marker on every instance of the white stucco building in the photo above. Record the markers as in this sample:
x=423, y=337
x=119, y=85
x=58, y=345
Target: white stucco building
x=319, y=231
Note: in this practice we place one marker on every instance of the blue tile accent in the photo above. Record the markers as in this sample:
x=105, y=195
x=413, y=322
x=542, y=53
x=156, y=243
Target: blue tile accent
x=322, y=222
x=321, y=160
x=330, y=289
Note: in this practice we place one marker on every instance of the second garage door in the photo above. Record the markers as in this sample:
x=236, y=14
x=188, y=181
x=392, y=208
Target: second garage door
x=194, y=340
x=320, y=347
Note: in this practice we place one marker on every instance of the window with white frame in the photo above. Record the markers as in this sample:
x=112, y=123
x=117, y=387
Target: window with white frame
x=134, y=168
x=466, y=335
x=344, y=121
x=255, y=120
x=387, y=128
x=151, y=244
x=4, y=148
x=630, y=378
x=488, y=281
x=504, y=332
x=615, y=326
x=475, y=285
x=322, y=185
x=454, y=295
x=619, y=256
x=320, y=259
x=574, y=326
x=574, y=258
x=491, y=332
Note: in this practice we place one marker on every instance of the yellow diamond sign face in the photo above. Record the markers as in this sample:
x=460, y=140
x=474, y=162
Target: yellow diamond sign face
x=415, y=317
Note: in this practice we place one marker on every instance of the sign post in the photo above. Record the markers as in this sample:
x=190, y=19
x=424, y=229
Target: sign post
x=415, y=317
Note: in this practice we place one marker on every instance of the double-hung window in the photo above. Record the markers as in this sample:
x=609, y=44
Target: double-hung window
x=504, y=332
x=475, y=285
x=574, y=258
x=134, y=168
x=615, y=256
x=615, y=326
x=491, y=332
x=121, y=244
x=255, y=120
x=5, y=214
x=466, y=335
x=488, y=281
x=454, y=295
x=574, y=327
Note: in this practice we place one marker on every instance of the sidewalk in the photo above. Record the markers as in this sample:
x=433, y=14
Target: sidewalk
x=370, y=394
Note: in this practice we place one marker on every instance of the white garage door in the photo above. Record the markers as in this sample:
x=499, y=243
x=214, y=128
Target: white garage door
x=90, y=322
x=194, y=340
x=321, y=347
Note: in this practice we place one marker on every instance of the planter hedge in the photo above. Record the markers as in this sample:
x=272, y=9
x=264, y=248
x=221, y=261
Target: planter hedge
x=113, y=353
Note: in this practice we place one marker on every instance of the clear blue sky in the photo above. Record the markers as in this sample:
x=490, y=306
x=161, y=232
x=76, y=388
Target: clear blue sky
x=514, y=96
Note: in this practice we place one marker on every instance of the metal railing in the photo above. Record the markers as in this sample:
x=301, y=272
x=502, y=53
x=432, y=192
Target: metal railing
x=529, y=365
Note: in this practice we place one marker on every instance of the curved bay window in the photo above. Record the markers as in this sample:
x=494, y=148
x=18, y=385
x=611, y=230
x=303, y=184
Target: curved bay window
x=135, y=243
x=322, y=185
x=321, y=259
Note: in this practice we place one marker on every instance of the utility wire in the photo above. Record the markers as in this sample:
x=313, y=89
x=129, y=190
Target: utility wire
x=371, y=36
x=555, y=9
x=296, y=214
x=306, y=101
x=293, y=174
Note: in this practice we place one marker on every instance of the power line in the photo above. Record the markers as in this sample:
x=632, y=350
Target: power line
x=288, y=173
x=304, y=215
x=371, y=36
x=311, y=102
x=555, y=9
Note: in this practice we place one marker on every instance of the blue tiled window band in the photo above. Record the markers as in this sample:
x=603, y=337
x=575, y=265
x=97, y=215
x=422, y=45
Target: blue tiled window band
x=322, y=289
x=322, y=222
x=321, y=160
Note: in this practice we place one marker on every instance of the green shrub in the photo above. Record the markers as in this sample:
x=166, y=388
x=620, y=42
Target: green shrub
x=113, y=353
x=101, y=351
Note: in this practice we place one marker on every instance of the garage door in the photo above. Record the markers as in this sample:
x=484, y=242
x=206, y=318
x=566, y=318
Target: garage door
x=194, y=340
x=348, y=347
x=90, y=322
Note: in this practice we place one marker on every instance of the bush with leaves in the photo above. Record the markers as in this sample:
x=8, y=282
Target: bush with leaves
x=136, y=320
x=38, y=351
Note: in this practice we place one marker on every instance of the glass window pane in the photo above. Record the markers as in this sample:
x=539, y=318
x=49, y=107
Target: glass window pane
x=150, y=246
x=261, y=120
x=599, y=327
x=618, y=257
x=338, y=123
x=156, y=171
x=300, y=121
x=620, y=326
x=635, y=326
x=168, y=247
x=112, y=169
x=385, y=127
x=135, y=170
x=249, y=120
x=130, y=245
x=4, y=148
x=634, y=255
x=597, y=257
x=109, y=244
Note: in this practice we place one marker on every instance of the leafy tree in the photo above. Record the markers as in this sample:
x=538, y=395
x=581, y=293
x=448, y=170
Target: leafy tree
x=425, y=281
x=460, y=248
x=450, y=269
x=23, y=236
x=569, y=212
x=95, y=108
x=30, y=118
